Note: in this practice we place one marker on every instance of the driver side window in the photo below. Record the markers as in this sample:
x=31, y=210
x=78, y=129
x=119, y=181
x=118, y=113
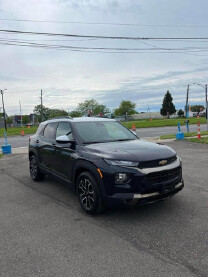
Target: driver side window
x=64, y=128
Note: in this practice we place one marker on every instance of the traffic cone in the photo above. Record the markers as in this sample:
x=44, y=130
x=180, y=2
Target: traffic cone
x=198, y=129
x=22, y=133
x=133, y=127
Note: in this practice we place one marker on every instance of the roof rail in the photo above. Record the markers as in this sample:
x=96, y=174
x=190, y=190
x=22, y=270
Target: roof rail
x=59, y=117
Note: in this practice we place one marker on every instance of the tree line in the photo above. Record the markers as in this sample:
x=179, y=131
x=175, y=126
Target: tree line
x=126, y=107
x=82, y=109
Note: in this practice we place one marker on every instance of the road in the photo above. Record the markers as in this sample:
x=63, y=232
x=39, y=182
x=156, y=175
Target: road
x=44, y=232
x=22, y=141
x=160, y=131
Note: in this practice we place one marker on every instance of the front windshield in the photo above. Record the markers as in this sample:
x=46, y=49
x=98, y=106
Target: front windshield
x=97, y=131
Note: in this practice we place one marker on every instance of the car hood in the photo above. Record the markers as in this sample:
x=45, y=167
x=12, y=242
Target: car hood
x=133, y=150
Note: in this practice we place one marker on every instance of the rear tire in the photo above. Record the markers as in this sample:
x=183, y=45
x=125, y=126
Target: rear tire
x=35, y=172
x=88, y=193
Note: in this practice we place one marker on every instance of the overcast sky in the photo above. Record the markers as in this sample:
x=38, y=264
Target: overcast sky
x=69, y=77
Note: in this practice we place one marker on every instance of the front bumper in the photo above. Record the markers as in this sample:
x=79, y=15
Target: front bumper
x=132, y=199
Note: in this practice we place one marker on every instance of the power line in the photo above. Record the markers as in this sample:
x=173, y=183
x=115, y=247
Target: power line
x=58, y=47
x=155, y=48
x=103, y=23
x=101, y=37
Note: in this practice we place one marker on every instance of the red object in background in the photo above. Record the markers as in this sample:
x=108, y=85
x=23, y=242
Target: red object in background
x=198, y=129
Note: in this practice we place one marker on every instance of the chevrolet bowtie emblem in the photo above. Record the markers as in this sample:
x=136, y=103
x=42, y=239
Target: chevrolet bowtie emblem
x=163, y=162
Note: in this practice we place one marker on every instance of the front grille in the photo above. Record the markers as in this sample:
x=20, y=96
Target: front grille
x=163, y=176
x=155, y=163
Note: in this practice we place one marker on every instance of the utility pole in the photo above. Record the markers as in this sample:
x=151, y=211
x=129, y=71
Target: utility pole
x=206, y=101
x=206, y=104
x=41, y=99
x=20, y=112
x=187, y=96
x=5, y=125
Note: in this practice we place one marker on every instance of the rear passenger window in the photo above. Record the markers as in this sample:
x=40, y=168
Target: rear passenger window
x=64, y=128
x=49, y=131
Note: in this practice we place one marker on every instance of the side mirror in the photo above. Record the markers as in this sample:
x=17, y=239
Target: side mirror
x=62, y=139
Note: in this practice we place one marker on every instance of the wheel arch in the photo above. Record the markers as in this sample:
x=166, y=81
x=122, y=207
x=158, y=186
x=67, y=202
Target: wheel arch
x=32, y=151
x=82, y=166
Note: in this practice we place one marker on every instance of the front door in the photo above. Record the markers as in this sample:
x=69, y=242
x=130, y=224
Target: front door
x=63, y=152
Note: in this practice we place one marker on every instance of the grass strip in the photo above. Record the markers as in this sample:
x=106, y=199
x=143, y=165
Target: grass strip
x=146, y=123
x=13, y=131
x=187, y=135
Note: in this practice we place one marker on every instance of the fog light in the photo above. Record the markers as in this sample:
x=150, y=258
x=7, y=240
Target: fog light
x=121, y=178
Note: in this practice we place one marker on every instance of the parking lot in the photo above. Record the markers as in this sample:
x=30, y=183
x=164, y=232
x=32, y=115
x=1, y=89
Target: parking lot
x=44, y=232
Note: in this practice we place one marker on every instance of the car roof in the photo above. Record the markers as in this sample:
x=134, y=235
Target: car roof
x=78, y=119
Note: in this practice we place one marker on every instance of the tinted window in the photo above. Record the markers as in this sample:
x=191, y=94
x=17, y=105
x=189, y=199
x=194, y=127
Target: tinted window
x=40, y=129
x=103, y=131
x=64, y=129
x=49, y=131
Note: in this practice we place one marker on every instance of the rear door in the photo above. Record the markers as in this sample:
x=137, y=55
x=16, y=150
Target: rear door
x=47, y=146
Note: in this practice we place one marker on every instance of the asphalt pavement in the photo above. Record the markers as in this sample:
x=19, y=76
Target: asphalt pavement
x=22, y=141
x=44, y=232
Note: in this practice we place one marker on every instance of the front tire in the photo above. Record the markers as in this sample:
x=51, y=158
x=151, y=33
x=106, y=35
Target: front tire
x=89, y=194
x=35, y=172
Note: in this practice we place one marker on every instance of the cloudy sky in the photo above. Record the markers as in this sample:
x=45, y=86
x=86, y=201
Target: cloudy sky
x=141, y=74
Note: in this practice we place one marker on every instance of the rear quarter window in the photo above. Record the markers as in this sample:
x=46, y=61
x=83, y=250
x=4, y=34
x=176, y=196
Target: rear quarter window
x=49, y=131
x=40, y=129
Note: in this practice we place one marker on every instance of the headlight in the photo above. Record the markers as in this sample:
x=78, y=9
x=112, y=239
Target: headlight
x=121, y=163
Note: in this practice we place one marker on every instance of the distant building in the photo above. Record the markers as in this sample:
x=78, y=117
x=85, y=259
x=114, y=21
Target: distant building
x=147, y=115
x=17, y=120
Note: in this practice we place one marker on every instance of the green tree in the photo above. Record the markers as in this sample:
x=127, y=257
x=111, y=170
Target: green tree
x=37, y=112
x=197, y=108
x=9, y=120
x=93, y=105
x=75, y=114
x=181, y=113
x=168, y=107
x=57, y=112
x=25, y=119
x=125, y=107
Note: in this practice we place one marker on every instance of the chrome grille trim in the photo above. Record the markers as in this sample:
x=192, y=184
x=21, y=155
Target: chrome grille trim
x=159, y=168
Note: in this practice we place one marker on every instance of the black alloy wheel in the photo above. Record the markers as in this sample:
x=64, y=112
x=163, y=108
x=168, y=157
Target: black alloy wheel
x=35, y=172
x=89, y=194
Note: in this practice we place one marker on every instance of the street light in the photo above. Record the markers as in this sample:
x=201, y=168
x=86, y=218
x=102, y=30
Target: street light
x=206, y=102
x=2, y=93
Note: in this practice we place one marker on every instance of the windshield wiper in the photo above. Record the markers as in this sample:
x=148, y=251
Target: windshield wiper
x=92, y=142
x=123, y=139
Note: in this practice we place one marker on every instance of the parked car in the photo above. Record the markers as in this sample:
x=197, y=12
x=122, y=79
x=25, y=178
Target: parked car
x=105, y=163
x=202, y=113
x=120, y=118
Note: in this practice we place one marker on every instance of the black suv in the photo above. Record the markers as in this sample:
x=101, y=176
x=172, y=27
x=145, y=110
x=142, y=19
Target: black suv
x=105, y=163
